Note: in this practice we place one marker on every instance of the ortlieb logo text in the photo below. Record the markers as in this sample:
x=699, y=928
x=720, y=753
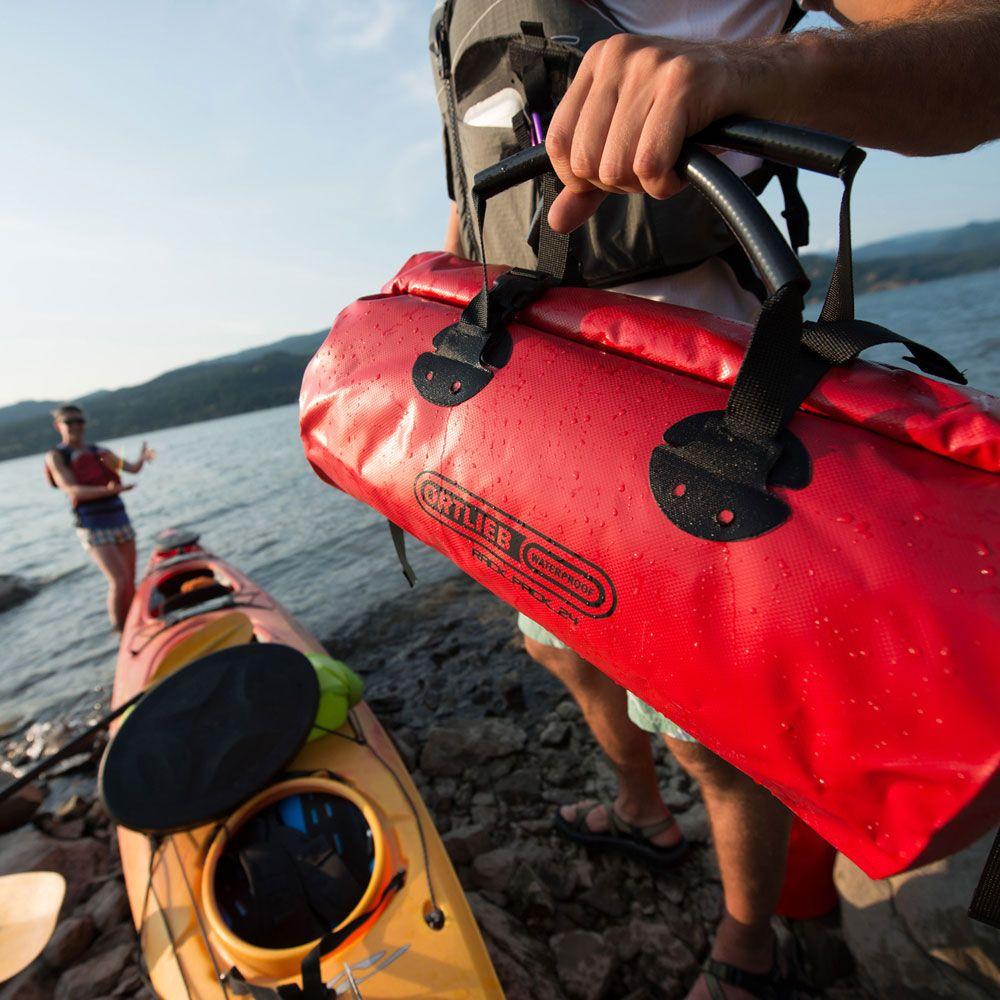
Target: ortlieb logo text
x=551, y=573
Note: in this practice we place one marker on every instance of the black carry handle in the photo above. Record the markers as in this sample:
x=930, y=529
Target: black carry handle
x=729, y=195
x=817, y=152
x=798, y=147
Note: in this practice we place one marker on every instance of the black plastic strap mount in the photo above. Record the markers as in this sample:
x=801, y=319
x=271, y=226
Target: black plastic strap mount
x=467, y=353
x=715, y=485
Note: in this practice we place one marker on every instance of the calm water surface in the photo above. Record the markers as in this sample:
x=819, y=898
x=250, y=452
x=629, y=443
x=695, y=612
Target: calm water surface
x=243, y=482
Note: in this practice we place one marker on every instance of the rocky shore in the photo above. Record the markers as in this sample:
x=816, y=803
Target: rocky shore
x=495, y=746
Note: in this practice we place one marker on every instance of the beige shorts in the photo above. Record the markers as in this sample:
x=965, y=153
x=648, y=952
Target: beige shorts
x=643, y=715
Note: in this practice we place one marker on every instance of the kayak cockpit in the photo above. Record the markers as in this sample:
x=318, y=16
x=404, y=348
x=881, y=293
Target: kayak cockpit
x=187, y=588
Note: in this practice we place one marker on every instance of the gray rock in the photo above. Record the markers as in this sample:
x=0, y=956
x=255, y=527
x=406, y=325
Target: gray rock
x=108, y=906
x=568, y=710
x=605, y=895
x=519, y=786
x=445, y=752
x=676, y=800
x=34, y=983
x=20, y=807
x=465, y=843
x=562, y=772
x=97, y=975
x=69, y=941
x=73, y=808
x=71, y=829
x=131, y=983
x=494, y=869
x=523, y=965
x=450, y=750
x=511, y=689
x=706, y=901
x=15, y=590
x=584, y=963
x=911, y=934
x=555, y=734
x=487, y=816
x=695, y=825
x=529, y=897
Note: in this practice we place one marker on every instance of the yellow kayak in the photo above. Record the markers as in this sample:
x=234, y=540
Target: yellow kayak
x=332, y=870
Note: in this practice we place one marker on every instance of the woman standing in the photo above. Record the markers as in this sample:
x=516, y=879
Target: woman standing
x=90, y=476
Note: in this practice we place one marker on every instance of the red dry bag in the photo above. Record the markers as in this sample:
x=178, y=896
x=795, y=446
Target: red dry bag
x=787, y=551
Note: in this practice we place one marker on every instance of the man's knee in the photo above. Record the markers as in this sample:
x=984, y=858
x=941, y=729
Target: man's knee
x=563, y=663
x=706, y=767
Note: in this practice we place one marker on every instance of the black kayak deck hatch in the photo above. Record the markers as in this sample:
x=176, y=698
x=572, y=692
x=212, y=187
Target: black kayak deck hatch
x=208, y=737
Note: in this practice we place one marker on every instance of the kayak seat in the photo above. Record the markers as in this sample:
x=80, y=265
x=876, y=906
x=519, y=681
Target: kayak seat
x=187, y=588
x=296, y=870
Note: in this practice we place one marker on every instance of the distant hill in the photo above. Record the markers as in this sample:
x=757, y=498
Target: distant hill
x=970, y=237
x=915, y=258
x=298, y=345
x=250, y=380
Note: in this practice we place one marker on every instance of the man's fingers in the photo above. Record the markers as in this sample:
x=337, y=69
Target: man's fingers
x=617, y=167
x=657, y=150
x=572, y=208
x=559, y=139
x=591, y=133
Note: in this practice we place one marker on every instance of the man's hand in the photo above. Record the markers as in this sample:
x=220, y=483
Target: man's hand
x=620, y=126
x=920, y=77
x=115, y=488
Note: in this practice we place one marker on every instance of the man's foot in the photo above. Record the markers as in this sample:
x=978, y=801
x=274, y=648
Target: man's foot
x=742, y=966
x=598, y=820
x=658, y=845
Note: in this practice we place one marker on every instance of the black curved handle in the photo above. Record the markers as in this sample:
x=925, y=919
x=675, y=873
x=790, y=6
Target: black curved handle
x=817, y=152
x=732, y=199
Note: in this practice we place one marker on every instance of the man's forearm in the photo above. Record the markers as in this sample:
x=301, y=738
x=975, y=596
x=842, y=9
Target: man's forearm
x=924, y=86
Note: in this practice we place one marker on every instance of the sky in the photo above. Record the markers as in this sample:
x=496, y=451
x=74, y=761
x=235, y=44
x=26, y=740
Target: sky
x=181, y=180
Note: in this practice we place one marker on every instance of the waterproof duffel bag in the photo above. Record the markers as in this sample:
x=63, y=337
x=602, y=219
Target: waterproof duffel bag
x=789, y=552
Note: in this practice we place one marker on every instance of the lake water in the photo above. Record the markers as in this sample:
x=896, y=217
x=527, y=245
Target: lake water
x=243, y=482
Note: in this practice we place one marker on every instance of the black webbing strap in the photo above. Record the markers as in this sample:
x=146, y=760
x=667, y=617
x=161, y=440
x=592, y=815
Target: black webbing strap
x=399, y=544
x=235, y=982
x=758, y=402
x=796, y=212
x=839, y=342
x=839, y=302
x=312, y=978
x=313, y=987
x=553, y=247
x=985, y=906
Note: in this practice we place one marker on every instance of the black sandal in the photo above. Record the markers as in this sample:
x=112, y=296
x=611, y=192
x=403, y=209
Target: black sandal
x=623, y=838
x=773, y=985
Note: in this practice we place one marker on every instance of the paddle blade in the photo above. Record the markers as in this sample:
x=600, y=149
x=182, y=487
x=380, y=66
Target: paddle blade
x=29, y=909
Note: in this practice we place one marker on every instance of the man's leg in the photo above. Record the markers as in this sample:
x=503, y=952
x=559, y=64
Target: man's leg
x=603, y=704
x=750, y=829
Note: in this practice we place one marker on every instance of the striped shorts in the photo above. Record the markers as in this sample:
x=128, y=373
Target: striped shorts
x=91, y=538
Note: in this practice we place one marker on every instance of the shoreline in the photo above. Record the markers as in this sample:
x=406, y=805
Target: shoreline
x=559, y=924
